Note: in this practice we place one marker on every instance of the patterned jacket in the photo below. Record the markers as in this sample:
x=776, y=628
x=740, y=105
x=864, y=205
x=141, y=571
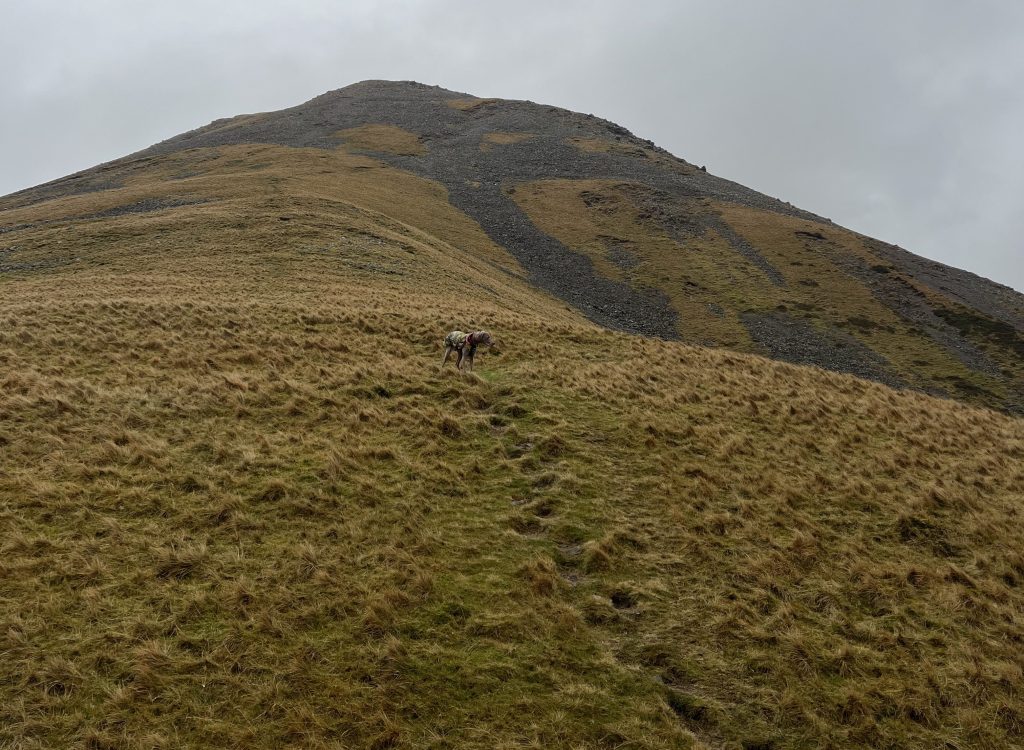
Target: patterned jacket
x=456, y=340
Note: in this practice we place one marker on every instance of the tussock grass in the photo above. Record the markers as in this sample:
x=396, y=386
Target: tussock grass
x=241, y=506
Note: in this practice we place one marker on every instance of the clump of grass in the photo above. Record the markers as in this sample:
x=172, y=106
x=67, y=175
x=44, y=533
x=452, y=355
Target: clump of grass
x=599, y=610
x=450, y=427
x=689, y=708
x=179, y=561
x=598, y=554
x=552, y=447
x=274, y=490
x=542, y=576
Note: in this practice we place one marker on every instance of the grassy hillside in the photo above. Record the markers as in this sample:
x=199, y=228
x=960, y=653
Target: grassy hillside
x=242, y=508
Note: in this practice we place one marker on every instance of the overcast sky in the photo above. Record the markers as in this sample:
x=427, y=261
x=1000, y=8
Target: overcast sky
x=901, y=119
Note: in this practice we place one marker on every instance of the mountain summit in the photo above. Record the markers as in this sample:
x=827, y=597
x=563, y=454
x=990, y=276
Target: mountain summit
x=638, y=239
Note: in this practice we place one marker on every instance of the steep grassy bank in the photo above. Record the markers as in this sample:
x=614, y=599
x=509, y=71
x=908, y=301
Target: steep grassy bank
x=241, y=508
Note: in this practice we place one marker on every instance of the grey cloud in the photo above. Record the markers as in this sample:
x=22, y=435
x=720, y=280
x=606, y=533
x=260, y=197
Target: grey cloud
x=901, y=121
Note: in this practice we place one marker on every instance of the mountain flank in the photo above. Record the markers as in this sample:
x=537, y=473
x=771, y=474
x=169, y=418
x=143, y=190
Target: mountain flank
x=641, y=241
x=242, y=507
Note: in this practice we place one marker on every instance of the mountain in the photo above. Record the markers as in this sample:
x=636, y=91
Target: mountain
x=631, y=236
x=241, y=506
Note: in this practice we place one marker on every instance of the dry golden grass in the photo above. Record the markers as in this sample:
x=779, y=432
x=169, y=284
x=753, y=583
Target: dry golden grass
x=603, y=145
x=469, y=104
x=388, y=139
x=241, y=507
x=609, y=146
x=498, y=138
x=332, y=198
